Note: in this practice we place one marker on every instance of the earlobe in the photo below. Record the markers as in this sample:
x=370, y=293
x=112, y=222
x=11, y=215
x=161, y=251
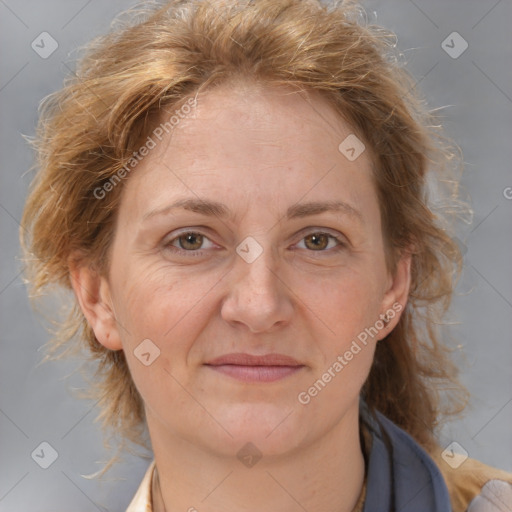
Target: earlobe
x=395, y=297
x=93, y=294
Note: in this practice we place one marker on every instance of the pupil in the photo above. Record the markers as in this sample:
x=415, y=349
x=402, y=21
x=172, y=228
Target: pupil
x=189, y=239
x=317, y=240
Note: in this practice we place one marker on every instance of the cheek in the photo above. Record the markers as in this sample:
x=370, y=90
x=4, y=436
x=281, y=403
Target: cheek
x=160, y=316
x=347, y=304
x=349, y=307
x=162, y=304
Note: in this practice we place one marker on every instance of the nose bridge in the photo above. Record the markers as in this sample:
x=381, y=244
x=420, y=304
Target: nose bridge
x=256, y=296
x=257, y=264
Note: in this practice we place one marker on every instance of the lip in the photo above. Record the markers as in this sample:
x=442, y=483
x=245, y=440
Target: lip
x=250, y=360
x=250, y=368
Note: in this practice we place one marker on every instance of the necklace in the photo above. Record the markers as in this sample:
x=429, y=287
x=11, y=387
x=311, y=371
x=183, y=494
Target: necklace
x=156, y=494
x=157, y=498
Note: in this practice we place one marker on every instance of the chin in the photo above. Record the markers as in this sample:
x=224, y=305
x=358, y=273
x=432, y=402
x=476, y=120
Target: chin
x=269, y=427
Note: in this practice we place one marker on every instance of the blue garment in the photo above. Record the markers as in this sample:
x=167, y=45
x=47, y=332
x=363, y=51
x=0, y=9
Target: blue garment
x=401, y=476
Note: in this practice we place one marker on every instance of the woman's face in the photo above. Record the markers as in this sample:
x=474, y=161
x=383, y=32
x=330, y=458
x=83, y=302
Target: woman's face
x=266, y=269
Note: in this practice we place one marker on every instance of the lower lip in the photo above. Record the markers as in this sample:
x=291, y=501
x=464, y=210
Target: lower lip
x=256, y=373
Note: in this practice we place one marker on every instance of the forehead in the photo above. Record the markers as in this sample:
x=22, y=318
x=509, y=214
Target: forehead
x=281, y=116
x=251, y=142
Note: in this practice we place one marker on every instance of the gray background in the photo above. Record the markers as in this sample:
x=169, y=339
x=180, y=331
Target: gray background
x=35, y=403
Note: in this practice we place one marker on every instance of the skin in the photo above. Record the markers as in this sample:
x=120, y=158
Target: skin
x=258, y=150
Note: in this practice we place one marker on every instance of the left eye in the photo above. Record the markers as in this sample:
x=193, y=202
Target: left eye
x=319, y=241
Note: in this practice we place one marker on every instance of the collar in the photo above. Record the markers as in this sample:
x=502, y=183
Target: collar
x=143, y=499
x=401, y=475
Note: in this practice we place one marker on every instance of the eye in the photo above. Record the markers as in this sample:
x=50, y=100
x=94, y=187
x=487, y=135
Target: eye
x=193, y=242
x=319, y=241
x=188, y=241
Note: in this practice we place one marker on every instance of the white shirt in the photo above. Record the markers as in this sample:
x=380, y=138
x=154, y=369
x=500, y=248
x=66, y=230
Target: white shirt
x=142, y=501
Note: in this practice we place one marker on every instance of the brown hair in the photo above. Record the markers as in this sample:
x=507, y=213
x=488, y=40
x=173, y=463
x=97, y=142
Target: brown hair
x=90, y=129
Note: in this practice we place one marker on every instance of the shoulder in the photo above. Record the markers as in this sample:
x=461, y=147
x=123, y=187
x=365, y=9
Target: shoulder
x=475, y=486
x=430, y=480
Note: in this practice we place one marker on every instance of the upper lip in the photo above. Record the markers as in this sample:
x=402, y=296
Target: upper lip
x=250, y=360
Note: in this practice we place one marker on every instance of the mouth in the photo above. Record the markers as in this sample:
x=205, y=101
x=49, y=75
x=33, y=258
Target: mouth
x=249, y=368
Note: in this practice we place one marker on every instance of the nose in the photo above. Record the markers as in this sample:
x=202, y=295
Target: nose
x=258, y=296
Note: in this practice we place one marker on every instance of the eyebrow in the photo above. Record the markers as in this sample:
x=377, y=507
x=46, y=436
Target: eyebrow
x=214, y=208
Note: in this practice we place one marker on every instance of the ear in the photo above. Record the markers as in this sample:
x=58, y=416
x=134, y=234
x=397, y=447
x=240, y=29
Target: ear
x=395, y=297
x=93, y=294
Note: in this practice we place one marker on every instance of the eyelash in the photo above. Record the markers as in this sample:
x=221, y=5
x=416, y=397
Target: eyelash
x=198, y=252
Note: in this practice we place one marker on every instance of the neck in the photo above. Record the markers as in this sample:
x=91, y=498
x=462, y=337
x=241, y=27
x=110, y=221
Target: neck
x=327, y=475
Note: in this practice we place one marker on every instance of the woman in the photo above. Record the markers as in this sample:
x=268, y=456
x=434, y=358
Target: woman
x=236, y=193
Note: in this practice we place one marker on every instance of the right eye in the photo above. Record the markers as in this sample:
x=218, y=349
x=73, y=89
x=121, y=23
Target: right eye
x=188, y=242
